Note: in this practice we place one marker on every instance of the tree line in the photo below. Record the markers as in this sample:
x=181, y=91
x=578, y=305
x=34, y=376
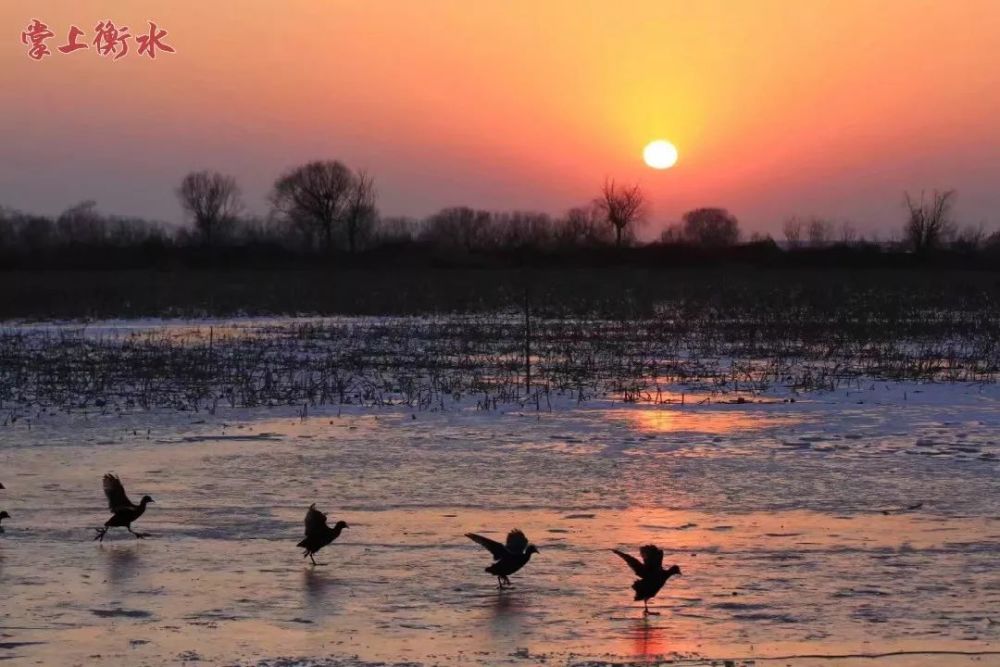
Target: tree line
x=324, y=209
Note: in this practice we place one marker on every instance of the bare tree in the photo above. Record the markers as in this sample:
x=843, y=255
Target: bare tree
x=848, y=233
x=81, y=223
x=792, y=230
x=929, y=222
x=522, y=229
x=672, y=234
x=582, y=226
x=711, y=227
x=359, y=214
x=623, y=208
x=820, y=232
x=397, y=230
x=313, y=198
x=211, y=199
x=970, y=239
x=460, y=228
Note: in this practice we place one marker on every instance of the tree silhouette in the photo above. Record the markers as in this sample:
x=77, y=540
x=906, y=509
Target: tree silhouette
x=460, y=227
x=711, y=227
x=211, y=199
x=929, y=222
x=792, y=229
x=81, y=223
x=359, y=213
x=623, y=207
x=820, y=232
x=582, y=226
x=314, y=198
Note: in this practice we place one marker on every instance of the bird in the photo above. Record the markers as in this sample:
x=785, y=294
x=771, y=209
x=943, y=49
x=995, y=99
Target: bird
x=318, y=534
x=651, y=574
x=509, y=557
x=123, y=510
x=3, y=515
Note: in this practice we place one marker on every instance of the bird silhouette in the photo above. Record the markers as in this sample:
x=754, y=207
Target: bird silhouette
x=3, y=515
x=123, y=510
x=651, y=574
x=318, y=534
x=509, y=557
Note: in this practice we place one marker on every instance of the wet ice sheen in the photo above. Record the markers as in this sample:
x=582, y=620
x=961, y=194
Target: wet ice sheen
x=789, y=522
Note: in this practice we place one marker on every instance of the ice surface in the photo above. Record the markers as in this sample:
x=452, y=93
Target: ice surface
x=790, y=522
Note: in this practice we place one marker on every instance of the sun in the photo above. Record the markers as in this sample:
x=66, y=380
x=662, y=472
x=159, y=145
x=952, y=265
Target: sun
x=660, y=154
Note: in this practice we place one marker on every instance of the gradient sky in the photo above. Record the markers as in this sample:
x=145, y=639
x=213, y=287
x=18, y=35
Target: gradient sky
x=831, y=107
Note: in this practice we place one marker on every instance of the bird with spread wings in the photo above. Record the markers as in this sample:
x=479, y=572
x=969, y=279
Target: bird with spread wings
x=123, y=510
x=318, y=533
x=508, y=558
x=650, y=571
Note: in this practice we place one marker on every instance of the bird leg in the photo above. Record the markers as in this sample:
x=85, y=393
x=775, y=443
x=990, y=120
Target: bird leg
x=499, y=583
x=100, y=533
x=138, y=536
x=646, y=611
x=312, y=559
x=506, y=581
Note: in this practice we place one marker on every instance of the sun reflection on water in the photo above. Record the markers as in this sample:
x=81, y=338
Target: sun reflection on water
x=721, y=421
x=647, y=641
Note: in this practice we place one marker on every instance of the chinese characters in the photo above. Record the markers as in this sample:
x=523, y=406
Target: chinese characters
x=110, y=41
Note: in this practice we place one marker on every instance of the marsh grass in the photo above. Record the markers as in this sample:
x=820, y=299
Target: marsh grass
x=729, y=351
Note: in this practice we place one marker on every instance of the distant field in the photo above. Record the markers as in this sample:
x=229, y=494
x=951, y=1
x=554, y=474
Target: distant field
x=605, y=292
x=636, y=335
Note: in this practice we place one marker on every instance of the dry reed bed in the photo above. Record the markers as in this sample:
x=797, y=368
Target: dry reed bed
x=428, y=363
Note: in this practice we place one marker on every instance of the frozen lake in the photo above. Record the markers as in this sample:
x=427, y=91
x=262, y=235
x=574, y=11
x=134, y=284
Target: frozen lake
x=788, y=520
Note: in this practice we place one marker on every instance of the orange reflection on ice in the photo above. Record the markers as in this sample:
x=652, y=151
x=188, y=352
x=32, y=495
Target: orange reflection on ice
x=718, y=420
x=647, y=640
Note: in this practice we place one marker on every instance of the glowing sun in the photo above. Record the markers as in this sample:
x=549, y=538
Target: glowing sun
x=660, y=154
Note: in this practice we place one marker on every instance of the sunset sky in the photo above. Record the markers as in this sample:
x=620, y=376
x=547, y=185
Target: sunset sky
x=777, y=108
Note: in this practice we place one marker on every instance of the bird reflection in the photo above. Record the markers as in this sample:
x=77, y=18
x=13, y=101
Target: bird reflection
x=503, y=605
x=648, y=641
x=122, y=564
x=506, y=617
x=318, y=588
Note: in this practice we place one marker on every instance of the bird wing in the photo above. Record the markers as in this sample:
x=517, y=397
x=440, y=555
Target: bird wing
x=652, y=556
x=498, y=550
x=517, y=542
x=315, y=521
x=633, y=562
x=115, y=491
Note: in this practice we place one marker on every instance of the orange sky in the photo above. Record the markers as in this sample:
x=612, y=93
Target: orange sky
x=777, y=107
